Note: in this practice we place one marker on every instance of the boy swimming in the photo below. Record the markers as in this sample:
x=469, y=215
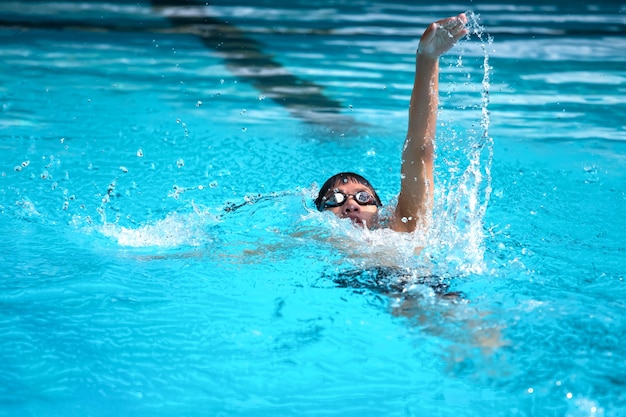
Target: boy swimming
x=349, y=195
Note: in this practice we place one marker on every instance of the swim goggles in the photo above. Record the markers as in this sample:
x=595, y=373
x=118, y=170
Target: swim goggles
x=338, y=198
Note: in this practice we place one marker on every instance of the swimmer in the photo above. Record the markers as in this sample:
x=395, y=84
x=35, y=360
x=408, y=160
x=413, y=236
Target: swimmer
x=349, y=195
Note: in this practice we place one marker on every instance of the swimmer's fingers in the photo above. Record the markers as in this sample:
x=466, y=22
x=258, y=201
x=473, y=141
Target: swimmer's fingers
x=440, y=36
x=452, y=22
x=455, y=26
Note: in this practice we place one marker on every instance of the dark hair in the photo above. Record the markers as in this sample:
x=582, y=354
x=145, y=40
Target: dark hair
x=343, y=177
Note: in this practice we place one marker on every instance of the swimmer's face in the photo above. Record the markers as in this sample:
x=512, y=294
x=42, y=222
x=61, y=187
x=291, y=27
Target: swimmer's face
x=354, y=201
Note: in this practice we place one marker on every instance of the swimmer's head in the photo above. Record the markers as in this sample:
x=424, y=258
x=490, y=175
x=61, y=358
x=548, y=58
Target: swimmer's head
x=349, y=195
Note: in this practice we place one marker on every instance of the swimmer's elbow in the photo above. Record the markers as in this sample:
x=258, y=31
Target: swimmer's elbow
x=408, y=217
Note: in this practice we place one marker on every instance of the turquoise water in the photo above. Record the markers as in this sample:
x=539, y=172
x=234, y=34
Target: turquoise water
x=162, y=255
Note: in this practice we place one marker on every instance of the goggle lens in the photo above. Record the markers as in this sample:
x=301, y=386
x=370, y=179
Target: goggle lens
x=363, y=197
x=336, y=199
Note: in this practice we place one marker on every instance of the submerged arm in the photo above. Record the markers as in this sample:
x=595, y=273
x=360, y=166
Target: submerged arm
x=416, y=188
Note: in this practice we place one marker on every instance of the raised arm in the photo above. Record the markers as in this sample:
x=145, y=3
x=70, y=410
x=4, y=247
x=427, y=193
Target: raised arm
x=416, y=188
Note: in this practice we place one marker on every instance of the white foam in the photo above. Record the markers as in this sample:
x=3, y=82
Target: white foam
x=175, y=230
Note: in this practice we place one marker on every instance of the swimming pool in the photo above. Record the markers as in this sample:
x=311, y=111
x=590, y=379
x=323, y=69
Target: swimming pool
x=163, y=256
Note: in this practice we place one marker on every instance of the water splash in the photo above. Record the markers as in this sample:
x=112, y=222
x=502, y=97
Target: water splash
x=194, y=225
x=454, y=245
x=457, y=237
x=362, y=248
x=174, y=231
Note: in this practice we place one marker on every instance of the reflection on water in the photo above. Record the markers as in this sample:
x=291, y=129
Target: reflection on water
x=152, y=261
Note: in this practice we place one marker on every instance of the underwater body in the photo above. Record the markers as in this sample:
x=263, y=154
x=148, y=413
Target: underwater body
x=163, y=256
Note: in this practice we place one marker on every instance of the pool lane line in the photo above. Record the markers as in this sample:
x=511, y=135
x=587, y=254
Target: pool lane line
x=243, y=57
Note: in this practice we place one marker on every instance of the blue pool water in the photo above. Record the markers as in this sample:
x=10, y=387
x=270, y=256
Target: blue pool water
x=162, y=256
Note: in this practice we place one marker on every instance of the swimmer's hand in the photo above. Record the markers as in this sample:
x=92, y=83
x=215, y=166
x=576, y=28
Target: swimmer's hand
x=441, y=35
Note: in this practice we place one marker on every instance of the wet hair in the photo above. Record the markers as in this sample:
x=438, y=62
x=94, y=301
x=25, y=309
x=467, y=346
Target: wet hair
x=342, y=178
